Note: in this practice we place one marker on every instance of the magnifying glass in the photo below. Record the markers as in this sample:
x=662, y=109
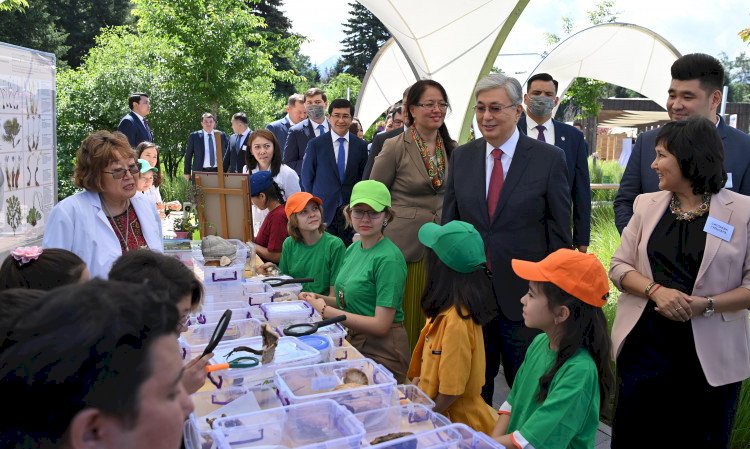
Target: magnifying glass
x=240, y=362
x=218, y=334
x=302, y=329
x=275, y=282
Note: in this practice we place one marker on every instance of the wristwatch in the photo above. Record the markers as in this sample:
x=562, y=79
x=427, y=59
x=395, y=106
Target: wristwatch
x=710, y=308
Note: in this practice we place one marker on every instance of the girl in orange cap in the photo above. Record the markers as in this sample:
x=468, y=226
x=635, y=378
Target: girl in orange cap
x=310, y=251
x=566, y=375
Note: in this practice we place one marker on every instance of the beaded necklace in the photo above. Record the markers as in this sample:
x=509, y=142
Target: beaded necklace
x=435, y=166
x=701, y=210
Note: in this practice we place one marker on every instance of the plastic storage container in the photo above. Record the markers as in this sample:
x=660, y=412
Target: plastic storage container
x=180, y=249
x=319, y=425
x=231, y=274
x=213, y=316
x=196, y=338
x=454, y=436
x=259, y=295
x=412, y=395
x=336, y=332
x=224, y=292
x=323, y=344
x=211, y=405
x=288, y=312
x=309, y=383
x=415, y=419
x=290, y=352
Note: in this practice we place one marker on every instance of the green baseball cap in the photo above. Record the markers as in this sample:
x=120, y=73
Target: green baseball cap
x=373, y=193
x=456, y=243
x=145, y=166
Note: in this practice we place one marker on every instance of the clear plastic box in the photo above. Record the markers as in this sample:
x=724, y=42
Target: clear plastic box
x=415, y=419
x=318, y=425
x=346, y=352
x=453, y=436
x=411, y=394
x=260, y=295
x=210, y=405
x=224, y=292
x=336, y=332
x=254, y=285
x=310, y=383
x=196, y=338
x=239, y=258
x=222, y=305
x=282, y=313
x=287, y=292
x=213, y=316
x=290, y=352
x=180, y=249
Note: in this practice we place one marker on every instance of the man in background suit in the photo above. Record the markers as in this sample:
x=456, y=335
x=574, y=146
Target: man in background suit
x=234, y=154
x=521, y=207
x=333, y=163
x=313, y=126
x=134, y=125
x=295, y=113
x=377, y=142
x=695, y=90
x=540, y=99
x=200, y=154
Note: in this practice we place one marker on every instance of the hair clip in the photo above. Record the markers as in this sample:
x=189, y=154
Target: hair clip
x=25, y=254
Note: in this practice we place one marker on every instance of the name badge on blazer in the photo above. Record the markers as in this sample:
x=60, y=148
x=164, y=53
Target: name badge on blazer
x=719, y=229
x=728, y=185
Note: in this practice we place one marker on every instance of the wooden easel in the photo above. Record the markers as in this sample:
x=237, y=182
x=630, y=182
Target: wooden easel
x=232, y=188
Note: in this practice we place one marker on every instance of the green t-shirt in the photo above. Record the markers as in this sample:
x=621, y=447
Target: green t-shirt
x=372, y=277
x=569, y=417
x=319, y=261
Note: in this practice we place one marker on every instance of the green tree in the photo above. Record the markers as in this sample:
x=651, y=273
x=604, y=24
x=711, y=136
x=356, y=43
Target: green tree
x=737, y=75
x=34, y=28
x=365, y=34
x=13, y=5
x=337, y=87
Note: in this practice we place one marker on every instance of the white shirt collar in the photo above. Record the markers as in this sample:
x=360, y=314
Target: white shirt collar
x=531, y=124
x=137, y=115
x=508, y=147
x=335, y=137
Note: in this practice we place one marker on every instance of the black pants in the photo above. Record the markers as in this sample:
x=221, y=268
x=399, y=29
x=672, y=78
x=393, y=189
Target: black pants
x=505, y=341
x=338, y=227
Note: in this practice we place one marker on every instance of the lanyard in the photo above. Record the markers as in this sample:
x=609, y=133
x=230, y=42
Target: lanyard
x=117, y=228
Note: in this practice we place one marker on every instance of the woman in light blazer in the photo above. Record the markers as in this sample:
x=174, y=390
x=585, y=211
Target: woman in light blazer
x=413, y=166
x=681, y=336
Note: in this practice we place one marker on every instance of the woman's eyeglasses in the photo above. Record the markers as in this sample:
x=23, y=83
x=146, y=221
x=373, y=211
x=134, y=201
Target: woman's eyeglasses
x=371, y=214
x=119, y=173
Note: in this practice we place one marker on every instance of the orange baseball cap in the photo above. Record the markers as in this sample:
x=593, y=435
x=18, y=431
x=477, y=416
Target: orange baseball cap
x=296, y=202
x=578, y=274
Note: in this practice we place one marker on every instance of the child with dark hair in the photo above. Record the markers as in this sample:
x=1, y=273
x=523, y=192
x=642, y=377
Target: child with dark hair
x=176, y=283
x=14, y=302
x=41, y=269
x=266, y=194
x=566, y=376
x=448, y=362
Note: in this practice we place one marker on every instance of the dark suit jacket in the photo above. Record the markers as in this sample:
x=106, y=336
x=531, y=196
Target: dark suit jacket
x=571, y=141
x=639, y=177
x=320, y=174
x=134, y=130
x=532, y=217
x=280, y=129
x=234, y=158
x=296, y=144
x=377, y=147
x=195, y=151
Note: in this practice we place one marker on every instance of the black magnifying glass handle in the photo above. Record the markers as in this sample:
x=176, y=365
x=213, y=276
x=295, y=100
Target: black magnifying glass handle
x=221, y=328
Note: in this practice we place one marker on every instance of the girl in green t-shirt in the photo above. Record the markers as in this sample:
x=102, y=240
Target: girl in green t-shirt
x=369, y=287
x=309, y=251
x=566, y=376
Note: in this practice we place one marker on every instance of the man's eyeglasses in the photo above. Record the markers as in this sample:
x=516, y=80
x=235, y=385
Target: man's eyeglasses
x=341, y=116
x=494, y=109
x=360, y=214
x=119, y=173
x=443, y=106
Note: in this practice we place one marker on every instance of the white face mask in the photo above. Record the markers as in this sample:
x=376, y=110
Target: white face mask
x=540, y=105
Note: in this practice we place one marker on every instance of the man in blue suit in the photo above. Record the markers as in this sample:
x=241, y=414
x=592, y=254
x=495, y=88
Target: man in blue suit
x=134, y=125
x=333, y=163
x=313, y=126
x=695, y=90
x=200, y=153
x=540, y=99
x=234, y=154
x=295, y=113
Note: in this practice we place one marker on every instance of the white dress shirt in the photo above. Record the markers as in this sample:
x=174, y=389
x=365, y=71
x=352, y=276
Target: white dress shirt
x=206, y=156
x=335, y=137
x=509, y=148
x=549, y=132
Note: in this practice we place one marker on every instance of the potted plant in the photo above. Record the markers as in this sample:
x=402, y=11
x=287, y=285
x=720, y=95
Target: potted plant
x=184, y=226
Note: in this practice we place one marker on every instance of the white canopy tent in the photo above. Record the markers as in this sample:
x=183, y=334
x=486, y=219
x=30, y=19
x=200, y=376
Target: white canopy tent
x=448, y=41
x=624, y=54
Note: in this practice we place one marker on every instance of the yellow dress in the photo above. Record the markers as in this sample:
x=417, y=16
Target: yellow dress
x=449, y=359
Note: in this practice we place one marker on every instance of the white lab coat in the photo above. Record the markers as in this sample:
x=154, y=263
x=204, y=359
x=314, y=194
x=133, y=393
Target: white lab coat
x=79, y=224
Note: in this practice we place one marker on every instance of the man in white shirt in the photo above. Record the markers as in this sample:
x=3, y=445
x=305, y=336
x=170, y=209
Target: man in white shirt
x=234, y=156
x=313, y=126
x=201, y=152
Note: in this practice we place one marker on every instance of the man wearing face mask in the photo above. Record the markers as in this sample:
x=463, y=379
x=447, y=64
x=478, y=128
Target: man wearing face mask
x=313, y=126
x=540, y=99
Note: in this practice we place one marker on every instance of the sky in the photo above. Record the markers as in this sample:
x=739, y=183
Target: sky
x=690, y=25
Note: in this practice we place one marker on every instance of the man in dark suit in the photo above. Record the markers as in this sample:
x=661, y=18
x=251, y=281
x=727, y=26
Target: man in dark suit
x=515, y=192
x=313, y=126
x=234, y=154
x=333, y=163
x=695, y=90
x=201, y=154
x=134, y=125
x=377, y=142
x=295, y=113
x=540, y=99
